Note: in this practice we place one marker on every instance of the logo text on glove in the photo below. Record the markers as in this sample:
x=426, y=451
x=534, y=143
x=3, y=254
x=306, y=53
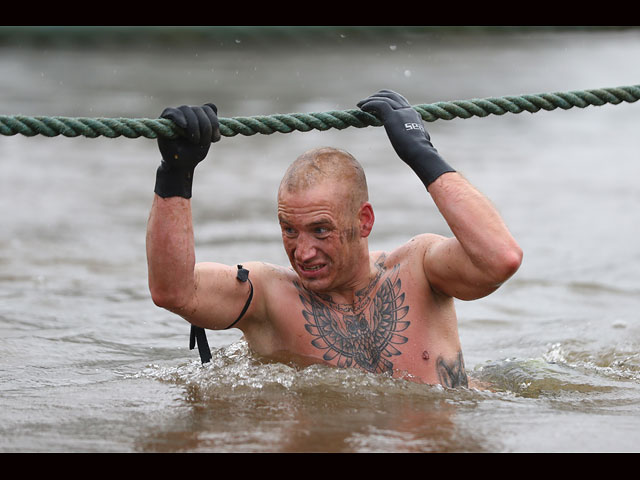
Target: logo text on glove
x=413, y=126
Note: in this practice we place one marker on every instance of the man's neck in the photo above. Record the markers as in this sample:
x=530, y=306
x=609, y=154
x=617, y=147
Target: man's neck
x=355, y=295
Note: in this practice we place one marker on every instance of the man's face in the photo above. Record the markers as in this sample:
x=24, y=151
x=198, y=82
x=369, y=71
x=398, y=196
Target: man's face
x=321, y=235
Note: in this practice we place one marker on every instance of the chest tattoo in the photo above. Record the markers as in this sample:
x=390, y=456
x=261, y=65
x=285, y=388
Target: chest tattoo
x=363, y=334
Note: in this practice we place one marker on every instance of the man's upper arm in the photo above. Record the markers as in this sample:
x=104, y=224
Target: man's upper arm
x=450, y=271
x=219, y=296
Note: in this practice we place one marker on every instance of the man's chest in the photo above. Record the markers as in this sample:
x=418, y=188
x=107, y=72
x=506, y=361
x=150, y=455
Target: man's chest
x=384, y=333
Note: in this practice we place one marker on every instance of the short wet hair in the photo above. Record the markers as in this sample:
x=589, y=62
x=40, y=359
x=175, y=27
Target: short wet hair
x=327, y=164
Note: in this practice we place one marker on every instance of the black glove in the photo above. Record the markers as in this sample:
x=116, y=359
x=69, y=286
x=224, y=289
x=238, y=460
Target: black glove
x=407, y=134
x=174, y=177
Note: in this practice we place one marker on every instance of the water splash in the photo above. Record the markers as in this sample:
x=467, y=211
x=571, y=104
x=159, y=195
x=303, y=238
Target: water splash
x=616, y=362
x=564, y=370
x=235, y=370
x=239, y=403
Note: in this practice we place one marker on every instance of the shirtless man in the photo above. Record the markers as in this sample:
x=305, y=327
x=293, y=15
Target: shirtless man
x=339, y=304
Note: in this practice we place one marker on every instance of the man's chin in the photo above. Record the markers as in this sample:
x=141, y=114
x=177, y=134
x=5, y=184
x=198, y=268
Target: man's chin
x=316, y=285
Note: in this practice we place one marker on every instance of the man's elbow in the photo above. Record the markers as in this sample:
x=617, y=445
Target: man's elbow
x=161, y=298
x=507, y=264
x=168, y=299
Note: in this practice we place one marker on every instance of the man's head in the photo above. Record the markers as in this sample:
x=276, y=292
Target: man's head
x=325, y=217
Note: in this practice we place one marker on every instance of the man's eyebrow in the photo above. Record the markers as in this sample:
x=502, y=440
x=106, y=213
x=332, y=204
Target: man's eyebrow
x=323, y=221
x=317, y=223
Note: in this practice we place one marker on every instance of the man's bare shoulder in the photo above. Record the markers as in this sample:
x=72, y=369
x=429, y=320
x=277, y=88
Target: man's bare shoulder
x=271, y=280
x=414, y=248
x=270, y=284
x=410, y=258
x=269, y=272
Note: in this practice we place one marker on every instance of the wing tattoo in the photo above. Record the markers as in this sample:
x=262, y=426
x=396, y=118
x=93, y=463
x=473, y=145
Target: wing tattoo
x=364, y=338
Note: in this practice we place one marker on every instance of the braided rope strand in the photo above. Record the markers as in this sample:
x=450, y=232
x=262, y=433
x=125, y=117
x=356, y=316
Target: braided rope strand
x=304, y=122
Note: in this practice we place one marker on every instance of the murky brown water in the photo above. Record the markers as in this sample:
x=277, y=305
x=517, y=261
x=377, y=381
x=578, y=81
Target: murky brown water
x=88, y=363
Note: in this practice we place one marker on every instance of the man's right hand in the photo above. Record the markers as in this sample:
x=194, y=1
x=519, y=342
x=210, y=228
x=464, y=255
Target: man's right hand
x=181, y=155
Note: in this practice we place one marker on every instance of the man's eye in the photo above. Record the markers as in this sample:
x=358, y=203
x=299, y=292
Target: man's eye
x=289, y=232
x=322, y=231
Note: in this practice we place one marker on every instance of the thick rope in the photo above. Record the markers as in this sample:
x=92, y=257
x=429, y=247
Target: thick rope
x=304, y=122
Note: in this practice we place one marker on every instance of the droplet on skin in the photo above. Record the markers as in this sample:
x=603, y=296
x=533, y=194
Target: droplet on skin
x=425, y=355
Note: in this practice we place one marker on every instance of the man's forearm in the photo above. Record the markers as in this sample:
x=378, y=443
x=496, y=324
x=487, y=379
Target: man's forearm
x=170, y=252
x=477, y=225
x=483, y=253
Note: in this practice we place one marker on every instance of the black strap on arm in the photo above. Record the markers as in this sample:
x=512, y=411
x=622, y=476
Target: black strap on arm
x=198, y=334
x=243, y=276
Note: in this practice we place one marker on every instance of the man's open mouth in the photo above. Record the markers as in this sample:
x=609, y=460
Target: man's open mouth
x=311, y=268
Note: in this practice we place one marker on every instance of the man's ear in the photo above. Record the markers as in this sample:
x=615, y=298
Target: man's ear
x=367, y=219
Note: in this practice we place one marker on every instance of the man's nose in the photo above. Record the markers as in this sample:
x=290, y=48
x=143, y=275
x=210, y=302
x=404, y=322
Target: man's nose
x=305, y=249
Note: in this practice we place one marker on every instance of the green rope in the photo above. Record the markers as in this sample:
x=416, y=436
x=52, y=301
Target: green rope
x=304, y=122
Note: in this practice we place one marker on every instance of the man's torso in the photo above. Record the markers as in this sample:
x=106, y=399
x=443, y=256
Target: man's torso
x=397, y=325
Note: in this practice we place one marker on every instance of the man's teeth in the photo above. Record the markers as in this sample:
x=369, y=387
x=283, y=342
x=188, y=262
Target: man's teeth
x=311, y=269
